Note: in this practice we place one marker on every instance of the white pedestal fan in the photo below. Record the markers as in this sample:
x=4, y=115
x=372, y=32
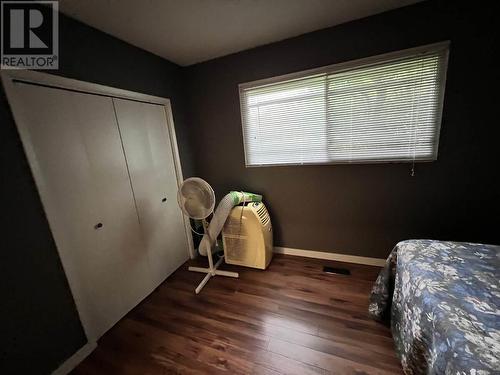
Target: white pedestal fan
x=196, y=199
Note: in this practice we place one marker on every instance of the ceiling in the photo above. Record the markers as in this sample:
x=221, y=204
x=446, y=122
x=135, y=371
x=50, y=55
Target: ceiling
x=191, y=31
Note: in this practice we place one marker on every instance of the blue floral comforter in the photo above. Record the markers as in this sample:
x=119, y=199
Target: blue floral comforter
x=443, y=300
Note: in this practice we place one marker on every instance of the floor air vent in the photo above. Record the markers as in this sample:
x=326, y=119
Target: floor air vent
x=336, y=270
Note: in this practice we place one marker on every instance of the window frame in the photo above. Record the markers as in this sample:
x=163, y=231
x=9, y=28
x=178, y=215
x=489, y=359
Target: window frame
x=347, y=66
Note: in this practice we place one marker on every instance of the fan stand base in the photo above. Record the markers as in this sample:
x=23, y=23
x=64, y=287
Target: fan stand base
x=211, y=271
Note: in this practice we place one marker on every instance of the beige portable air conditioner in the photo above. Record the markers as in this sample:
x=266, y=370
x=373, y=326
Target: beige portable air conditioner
x=248, y=236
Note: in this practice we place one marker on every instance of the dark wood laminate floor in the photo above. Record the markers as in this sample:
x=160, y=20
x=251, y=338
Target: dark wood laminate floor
x=290, y=319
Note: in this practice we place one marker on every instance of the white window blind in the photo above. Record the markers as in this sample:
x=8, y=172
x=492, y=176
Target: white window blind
x=382, y=109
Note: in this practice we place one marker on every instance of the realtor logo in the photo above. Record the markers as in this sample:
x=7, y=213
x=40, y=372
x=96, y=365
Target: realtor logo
x=30, y=35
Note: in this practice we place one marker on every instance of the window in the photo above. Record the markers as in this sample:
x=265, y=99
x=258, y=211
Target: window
x=382, y=109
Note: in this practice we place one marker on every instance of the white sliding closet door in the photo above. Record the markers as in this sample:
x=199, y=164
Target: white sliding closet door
x=147, y=145
x=74, y=148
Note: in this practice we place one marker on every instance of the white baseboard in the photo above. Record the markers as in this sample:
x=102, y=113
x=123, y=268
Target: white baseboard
x=75, y=359
x=330, y=256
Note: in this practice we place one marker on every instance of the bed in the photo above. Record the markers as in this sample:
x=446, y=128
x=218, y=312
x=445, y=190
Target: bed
x=443, y=303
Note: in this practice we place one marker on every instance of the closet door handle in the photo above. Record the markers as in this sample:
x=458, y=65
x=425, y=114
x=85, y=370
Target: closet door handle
x=164, y=199
x=98, y=226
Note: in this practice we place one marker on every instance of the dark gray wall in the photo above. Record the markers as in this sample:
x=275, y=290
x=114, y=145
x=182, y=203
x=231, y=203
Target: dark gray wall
x=39, y=324
x=365, y=209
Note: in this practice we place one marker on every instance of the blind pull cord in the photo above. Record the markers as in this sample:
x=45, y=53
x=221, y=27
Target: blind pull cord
x=415, y=121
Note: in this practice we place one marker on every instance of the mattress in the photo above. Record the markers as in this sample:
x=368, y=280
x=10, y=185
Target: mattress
x=443, y=303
